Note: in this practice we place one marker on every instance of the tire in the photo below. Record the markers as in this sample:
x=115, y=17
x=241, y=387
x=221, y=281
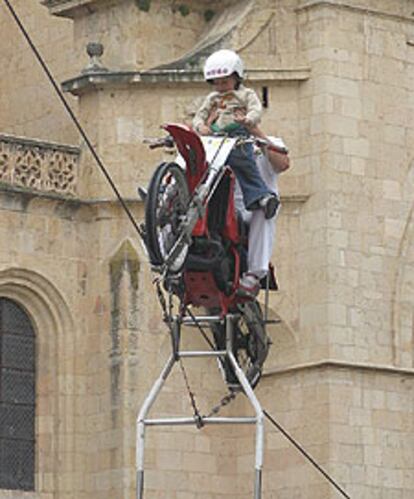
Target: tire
x=165, y=208
x=250, y=344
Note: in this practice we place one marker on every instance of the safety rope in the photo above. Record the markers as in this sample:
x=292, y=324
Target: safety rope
x=197, y=416
x=227, y=398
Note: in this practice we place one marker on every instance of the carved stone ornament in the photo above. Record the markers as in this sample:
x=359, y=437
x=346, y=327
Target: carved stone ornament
x=95, y=51
x=39, y=165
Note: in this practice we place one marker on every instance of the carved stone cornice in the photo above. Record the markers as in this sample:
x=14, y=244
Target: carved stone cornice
x=359, y=9
x=85, y=83
x=72, y=8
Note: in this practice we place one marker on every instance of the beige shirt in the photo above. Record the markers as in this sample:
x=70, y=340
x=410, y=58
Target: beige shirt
x=224, y=105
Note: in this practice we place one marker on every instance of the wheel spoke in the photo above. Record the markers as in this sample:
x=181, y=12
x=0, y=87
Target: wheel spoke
x=168, y=198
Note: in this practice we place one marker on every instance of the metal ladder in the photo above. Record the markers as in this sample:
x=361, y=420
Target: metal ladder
x=143, y=422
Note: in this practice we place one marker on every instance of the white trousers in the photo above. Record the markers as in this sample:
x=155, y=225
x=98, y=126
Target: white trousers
x=262, y=232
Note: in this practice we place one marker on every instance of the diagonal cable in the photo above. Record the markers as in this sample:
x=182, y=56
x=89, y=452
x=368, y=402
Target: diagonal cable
x=73, y=116
x=289, y=437
x=306, y=454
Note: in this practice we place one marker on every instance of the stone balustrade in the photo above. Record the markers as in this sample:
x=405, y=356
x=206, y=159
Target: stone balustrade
x=40, y=166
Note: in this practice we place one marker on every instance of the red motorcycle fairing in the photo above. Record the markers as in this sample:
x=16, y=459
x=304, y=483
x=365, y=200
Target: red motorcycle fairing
x=201, y=287
x=192, y=150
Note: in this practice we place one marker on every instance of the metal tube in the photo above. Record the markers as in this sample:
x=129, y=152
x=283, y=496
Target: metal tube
x=140, y=425
x=253, y=400
x=266, y=314
x=192, y=421
x=258, y=484
x=212, y=353
x=157, y=386
x=193, y=321
x=216, y=182
x=140, y=484
x=239, y=373
x=148, y=402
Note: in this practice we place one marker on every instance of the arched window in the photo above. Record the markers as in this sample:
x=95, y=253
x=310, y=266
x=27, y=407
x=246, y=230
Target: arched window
x=17, y=397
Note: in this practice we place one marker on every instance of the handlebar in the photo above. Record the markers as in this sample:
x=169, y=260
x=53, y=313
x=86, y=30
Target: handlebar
x=270, y=146
x=264, y=143
x=167, y=141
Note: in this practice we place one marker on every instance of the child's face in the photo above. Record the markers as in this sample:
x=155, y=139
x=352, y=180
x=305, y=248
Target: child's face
x=224, y=84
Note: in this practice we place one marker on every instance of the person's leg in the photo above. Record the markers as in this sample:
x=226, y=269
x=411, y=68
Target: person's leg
x=261, y=239
x=256, y=194
x=262, y=231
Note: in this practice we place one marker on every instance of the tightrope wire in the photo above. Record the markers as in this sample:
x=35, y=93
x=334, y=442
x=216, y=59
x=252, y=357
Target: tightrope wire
x=306, y=454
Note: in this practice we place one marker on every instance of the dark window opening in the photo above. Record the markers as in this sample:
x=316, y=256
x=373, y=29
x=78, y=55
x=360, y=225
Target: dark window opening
x=265, y=97
x=17, y=398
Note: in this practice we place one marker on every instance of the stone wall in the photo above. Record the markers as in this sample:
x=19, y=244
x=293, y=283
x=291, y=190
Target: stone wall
x=339, y=377
x=28, y=104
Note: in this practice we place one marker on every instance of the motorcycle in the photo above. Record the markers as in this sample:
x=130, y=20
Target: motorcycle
x=198, y=243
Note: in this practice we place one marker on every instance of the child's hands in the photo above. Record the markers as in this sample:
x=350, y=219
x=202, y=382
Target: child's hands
x=204, y=130
x=240, y=116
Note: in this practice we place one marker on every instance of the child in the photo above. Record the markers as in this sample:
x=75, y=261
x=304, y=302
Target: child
x=233, y=108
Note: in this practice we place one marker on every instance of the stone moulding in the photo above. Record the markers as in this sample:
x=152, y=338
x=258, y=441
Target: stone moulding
x=70, y=8
x=340, y=364
x=89, y=82
x=40, y=166
x=360, y=9
x=75, y=8
x=44, y=302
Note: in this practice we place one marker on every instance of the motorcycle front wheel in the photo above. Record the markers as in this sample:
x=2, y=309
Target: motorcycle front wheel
x=165, y=209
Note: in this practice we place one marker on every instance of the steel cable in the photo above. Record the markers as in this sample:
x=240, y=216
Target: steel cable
x=305, y=454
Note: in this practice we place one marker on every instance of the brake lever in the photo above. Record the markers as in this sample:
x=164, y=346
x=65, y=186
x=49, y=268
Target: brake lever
x=270, y=146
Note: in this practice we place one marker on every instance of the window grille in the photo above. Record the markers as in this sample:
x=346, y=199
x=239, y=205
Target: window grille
x=17, y=398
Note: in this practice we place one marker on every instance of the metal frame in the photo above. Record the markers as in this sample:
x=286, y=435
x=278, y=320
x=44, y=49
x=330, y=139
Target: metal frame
x=142, y=420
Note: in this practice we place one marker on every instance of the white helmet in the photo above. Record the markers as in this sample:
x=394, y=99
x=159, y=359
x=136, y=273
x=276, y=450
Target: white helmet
x=223, y=63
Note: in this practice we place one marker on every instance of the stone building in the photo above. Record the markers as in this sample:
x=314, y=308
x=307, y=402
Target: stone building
x=77, y=307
